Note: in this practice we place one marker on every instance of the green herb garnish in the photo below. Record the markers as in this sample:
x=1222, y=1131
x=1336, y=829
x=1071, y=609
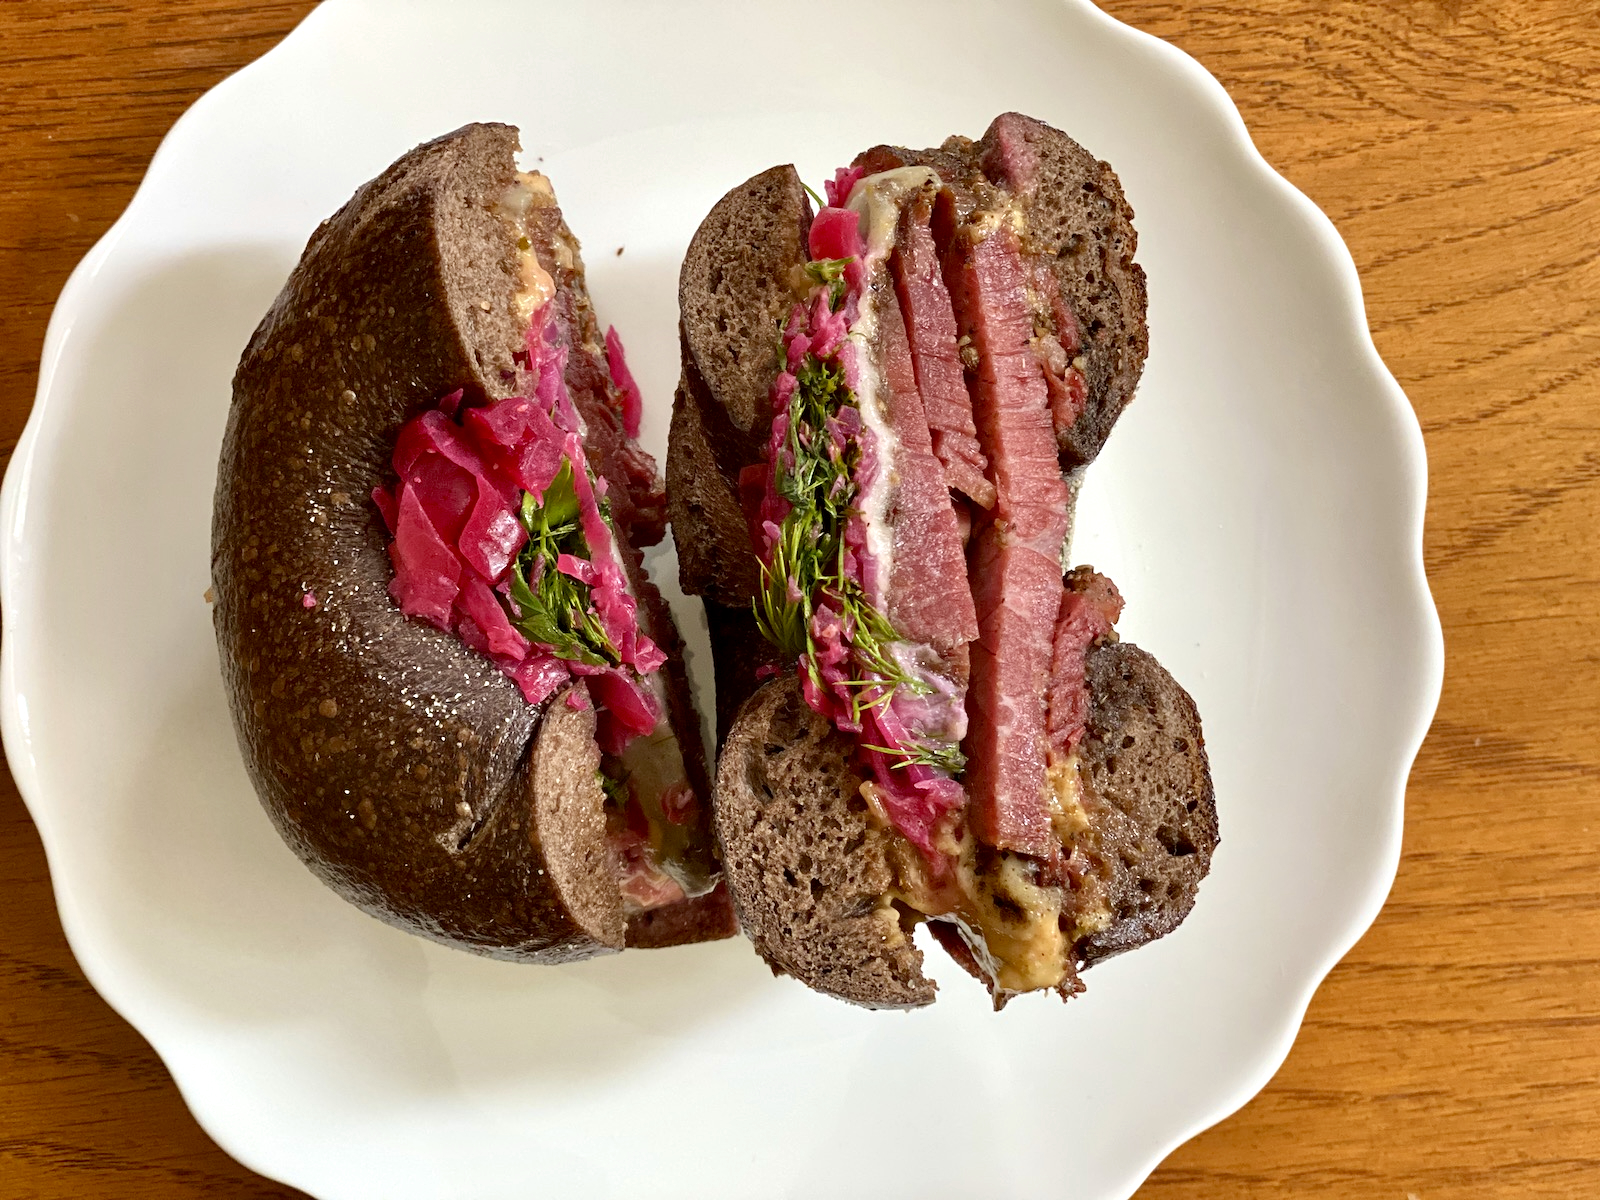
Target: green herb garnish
x=808, y=557
x=552, y=608
x=829, y=273
x=942, y=756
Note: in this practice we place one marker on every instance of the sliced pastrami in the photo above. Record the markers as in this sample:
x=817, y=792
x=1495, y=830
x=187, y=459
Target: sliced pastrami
x=1018, y=592
x=927, y=595
x=1016, y=568
x=988, y=284
x=931, y=328
x=1089, y=608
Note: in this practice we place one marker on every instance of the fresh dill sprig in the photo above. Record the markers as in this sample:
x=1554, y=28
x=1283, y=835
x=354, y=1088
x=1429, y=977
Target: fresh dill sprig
x=829, y=273
x=553, y=608
x=942, y=756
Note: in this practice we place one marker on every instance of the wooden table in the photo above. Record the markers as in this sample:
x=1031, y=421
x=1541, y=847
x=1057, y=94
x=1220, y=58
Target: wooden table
x=1455, y=1054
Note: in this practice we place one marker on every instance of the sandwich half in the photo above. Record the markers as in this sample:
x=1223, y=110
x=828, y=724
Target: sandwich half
x=459, y=697
x=884, y=408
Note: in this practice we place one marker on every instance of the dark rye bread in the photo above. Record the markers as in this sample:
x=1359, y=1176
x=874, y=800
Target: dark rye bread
x=806, y=865
x=1079, y=221
x=1148, y=794
x=706, y=918
x=401, y=766
x=715, y=559
x=735, y=290
x=741, y=653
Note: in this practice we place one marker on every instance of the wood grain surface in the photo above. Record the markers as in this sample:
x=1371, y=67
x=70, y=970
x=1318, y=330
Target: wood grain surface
x=1455, y=1054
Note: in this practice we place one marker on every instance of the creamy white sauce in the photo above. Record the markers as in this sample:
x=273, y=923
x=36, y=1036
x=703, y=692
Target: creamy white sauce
x=873, y=500
x=877, y=200
x=537, y=287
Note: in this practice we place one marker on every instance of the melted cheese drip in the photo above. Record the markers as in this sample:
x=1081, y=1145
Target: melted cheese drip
x=1021, y=925
x=1016, y=922
x=1064, y=802
x=529, y=191
x=1011, y=921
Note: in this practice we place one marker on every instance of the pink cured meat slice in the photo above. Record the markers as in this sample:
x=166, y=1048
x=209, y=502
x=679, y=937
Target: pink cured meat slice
x=928, y=597
x=1018, y=592
x=1016, y=569
x=1011, y=159
x=931, y=328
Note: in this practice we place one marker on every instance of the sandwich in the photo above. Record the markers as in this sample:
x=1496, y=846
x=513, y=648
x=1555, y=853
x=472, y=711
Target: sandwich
x=458, y=695
x=886, y=404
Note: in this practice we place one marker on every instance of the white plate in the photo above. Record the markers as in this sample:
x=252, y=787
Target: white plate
x=1260, y=505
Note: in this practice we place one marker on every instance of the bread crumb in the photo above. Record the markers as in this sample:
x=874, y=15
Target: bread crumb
x=211, y=595
x=619, y=251
x=329, y=707
x=463, y=809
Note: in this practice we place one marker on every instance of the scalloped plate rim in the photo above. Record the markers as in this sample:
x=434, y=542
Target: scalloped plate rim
x=14, y=496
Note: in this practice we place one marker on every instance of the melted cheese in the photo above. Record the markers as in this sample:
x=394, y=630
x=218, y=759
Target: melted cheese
x=1012, y=922
x=879, y=198
x=1021, y=926
x=529, y=191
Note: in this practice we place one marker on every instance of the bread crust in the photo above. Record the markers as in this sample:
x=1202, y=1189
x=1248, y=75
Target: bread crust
x=402, y=767
x=1148, y=793
x=807, y=866
x=734, y=293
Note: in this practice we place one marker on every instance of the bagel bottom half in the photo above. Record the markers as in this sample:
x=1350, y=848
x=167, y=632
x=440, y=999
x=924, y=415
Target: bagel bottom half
x=402, y=767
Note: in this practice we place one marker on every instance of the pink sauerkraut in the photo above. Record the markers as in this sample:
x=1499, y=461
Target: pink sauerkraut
x=456, y=520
